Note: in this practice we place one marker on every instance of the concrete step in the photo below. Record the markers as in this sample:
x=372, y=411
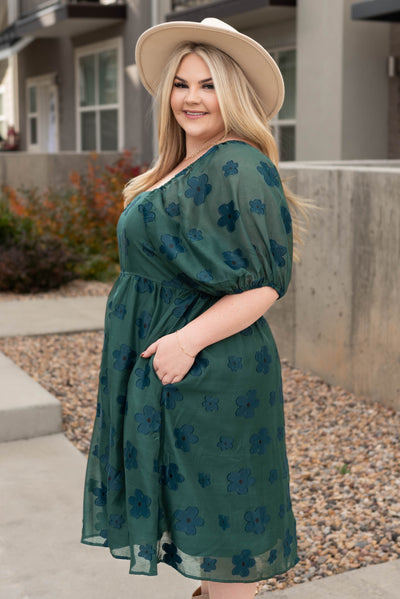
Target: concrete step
x=46, y=316
x=26, y=409
x=41, y=556
x=374, y=582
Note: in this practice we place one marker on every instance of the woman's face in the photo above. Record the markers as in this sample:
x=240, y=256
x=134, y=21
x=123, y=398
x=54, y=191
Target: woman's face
x=194, y=102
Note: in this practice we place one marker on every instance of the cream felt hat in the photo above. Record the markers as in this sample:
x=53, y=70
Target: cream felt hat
x=155, y=46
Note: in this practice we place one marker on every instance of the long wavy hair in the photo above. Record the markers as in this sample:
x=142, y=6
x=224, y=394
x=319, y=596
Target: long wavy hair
x=243, y=115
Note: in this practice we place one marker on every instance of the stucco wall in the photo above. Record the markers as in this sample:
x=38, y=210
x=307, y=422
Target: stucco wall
x=341, y=317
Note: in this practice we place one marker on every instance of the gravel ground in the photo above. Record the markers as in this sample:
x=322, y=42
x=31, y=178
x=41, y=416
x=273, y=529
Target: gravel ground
x=344, y=454
x=75, y=288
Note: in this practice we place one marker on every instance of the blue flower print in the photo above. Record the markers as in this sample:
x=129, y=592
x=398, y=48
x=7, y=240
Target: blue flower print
x=256, y=520
x=270, y=174
x=247, y=331
x=123, y=243
x=143, y=323
x=225, y=443
x=140, y=504
x=143, y=285
x=147, y=552
x=171, y=246
x=257, y=206
x=149, y=421
x=272, y=398
x=130, y=453
x=99, y=492
x=281, y=513
x=228, y=216
x=210, y=403
x=247, y=404
x=199, y=365
x=204, y=480
x=173, y=209
x=239, y=482
x=230, y=168
x=120, y=311
x=104, y=381
x=205, y=276
x=143, y=379
x=184, y=306
x=273, y=476
x=208, y=564
x=148, y=249
x=223, y=521
x=195, y=235
x=278, y=251
x=198, y=189
x=170, y=395
x=148, y=214
x=121, y=400
x=287, y=541
x=184, y=437
x=170, y=476
x=264, y=360
x=272, y=556
x=114, y=478
x=280, y=433
x=116, y=520
x=112, y=436
x=124, y=357
x=166, y=295
x=243, y=562
x=235, y=259
x=187, y=520
x=101, y=526
x=235, y=363
x=259, y=441
x=287, y=219
x=171, y=556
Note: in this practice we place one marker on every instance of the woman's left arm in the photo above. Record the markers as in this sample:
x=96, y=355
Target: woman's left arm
x=174, y=354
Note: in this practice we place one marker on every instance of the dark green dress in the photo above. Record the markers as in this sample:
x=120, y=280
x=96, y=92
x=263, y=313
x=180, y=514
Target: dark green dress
x=195, y=474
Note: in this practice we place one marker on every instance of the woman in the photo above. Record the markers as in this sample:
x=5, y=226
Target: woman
x=188, y=462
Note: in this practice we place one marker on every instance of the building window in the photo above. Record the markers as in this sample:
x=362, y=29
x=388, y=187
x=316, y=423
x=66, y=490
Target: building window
x=32, y=116
x=99, y=72
x=3, y=121
x=284, y=124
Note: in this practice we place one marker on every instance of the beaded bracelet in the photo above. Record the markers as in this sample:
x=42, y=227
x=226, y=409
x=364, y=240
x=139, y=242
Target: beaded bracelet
x=179, y=343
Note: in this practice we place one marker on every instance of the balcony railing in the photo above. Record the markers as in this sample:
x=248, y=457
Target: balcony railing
x=183, y=4
x=27, y=7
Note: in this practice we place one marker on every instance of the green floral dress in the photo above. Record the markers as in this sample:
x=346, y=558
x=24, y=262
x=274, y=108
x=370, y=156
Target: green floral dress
x=195, y=474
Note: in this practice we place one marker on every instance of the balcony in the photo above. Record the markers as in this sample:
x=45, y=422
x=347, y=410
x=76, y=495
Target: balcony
x=236, y=12
x=67, y=18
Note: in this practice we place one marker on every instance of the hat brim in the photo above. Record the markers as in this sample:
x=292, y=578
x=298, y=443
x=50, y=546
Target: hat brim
x=156, y=45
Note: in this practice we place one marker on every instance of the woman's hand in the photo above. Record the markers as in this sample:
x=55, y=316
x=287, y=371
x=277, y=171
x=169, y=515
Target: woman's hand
x=171, y=363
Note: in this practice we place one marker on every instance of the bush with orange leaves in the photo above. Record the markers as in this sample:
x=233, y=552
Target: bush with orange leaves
x=83, y=214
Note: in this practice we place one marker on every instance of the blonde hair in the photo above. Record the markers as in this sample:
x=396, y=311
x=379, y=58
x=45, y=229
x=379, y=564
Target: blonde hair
x=242, y=113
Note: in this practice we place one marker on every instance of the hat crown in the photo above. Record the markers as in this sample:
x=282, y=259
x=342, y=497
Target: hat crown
x=213, y=22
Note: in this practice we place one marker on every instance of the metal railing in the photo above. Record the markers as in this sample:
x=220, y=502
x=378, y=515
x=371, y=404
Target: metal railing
x=183, y=4
x=27, y=7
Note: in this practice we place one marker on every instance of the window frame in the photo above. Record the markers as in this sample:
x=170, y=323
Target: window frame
x=276, y=123
x=95, y=49
x=3, y=116
x=50, y=80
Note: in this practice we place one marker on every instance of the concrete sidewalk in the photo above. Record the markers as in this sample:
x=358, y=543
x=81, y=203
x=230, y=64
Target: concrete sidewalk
x=41, y=494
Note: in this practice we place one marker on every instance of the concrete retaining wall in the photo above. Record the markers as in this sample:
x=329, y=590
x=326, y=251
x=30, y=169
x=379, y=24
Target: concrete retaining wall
x=341, y=316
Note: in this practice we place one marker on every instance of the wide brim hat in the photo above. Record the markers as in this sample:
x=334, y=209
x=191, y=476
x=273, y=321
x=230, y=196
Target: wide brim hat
x=155, y=46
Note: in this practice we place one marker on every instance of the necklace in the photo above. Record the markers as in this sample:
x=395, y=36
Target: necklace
x=205, y=146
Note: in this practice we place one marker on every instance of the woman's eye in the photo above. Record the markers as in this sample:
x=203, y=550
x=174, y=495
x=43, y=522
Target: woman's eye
x=208, y=86
x=180, y=85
